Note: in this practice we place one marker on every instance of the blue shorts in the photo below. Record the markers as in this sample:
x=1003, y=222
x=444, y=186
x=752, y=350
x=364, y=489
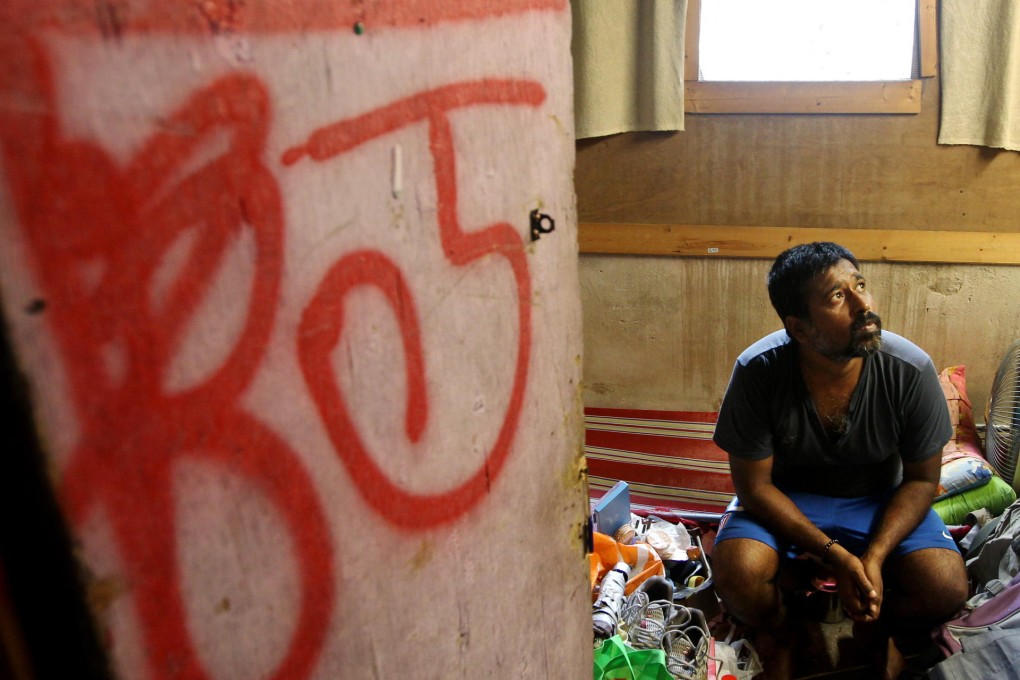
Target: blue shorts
x=850, y=520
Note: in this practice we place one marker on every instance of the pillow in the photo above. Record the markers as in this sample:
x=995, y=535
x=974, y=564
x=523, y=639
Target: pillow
x=996, y=495
x=963, y=464
x=961, y=474
x=965, y=440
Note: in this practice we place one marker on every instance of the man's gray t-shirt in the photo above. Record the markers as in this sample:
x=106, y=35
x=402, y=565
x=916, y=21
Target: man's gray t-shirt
x=897, y=413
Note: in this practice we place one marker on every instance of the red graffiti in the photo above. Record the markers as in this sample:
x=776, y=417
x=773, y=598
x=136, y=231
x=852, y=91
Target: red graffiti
x=81, y=213
x=99, y=233
x=323, y=319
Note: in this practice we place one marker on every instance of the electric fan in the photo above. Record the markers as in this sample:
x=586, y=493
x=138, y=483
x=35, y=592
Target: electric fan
x=1002, y=420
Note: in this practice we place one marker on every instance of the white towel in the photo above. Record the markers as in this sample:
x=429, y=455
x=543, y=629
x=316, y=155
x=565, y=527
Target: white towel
x=980, y=53
x=628, y=65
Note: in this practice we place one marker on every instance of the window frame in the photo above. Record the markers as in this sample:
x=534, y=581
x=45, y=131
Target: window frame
x=885, y=96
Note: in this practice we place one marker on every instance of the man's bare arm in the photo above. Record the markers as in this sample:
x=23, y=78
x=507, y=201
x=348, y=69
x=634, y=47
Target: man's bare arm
x=908, y=506
x=752, y=481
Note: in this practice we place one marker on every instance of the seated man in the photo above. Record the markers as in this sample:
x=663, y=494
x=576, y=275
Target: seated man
x=834, y=432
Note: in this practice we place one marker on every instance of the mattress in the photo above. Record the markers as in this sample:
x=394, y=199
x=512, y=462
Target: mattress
x=667, y=458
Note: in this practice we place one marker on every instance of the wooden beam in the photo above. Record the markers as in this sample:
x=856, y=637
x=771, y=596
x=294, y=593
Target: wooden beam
x=927, y=38
x=891, y=96
x=888, y=245
x=692, y=41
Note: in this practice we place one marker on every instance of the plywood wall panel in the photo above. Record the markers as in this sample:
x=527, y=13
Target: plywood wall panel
x=879, y=171
x=651, y=325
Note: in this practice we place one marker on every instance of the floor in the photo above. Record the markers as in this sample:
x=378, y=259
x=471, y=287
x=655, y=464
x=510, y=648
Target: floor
x=832, y=653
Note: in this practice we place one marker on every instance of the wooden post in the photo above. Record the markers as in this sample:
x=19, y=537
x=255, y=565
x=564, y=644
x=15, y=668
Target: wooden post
x=305, y=376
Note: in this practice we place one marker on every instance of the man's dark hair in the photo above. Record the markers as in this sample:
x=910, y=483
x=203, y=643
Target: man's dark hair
x=795, y=268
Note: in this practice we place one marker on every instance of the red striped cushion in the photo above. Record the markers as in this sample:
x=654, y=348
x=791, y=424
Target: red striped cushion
x=667, y=458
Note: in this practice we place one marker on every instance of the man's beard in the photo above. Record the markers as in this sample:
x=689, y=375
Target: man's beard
x=862, y=344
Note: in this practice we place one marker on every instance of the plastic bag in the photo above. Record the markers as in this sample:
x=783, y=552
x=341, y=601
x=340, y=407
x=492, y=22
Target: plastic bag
x=643, y=561
x=738, y=659
x=669, y=540
x=615, y=660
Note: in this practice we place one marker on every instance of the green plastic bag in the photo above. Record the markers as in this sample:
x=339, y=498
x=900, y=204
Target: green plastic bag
x=615, y=660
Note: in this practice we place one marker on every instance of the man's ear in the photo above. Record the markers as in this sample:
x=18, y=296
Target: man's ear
x=796, y=328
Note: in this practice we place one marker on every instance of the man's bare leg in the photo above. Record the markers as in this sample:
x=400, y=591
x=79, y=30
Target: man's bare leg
x=745, y=574
x=926, y=587
x=877, y=641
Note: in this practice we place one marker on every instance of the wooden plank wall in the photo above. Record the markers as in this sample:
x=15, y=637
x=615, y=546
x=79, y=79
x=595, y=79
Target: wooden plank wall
x=906, y=245
x=662, y=331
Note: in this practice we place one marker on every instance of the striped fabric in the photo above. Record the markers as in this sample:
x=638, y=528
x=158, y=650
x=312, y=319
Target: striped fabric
x=667, y=458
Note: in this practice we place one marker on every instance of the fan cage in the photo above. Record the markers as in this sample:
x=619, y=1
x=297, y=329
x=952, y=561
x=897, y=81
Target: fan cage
x=1002, y=429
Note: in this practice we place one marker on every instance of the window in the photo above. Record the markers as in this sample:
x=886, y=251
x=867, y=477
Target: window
x=825, y=40
x=785, y=56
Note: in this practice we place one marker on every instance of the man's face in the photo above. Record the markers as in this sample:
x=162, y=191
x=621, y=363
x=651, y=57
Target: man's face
x=841, y=322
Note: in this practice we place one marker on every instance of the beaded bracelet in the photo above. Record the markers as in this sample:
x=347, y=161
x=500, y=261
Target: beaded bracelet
x=825, y=550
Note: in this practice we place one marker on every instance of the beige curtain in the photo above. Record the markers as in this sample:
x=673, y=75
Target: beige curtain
x=980, y=55
x=628, y=65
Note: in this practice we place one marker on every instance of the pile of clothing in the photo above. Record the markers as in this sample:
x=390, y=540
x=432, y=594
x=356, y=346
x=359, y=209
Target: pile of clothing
x=651, y=587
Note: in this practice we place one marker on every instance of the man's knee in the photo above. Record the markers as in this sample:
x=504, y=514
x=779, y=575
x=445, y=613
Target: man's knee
x=741, y=565
x=744, y=572
x=952, y=586
x=932, y=582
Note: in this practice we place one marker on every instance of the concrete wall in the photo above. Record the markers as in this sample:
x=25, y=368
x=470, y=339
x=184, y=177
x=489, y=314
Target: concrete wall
x=307, y=390
x=663, y=332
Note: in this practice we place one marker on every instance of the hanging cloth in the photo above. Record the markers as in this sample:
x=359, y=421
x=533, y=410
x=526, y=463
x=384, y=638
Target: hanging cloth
x=980, y=55
x=628, y=65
